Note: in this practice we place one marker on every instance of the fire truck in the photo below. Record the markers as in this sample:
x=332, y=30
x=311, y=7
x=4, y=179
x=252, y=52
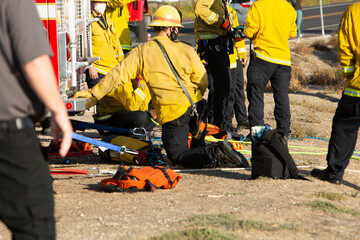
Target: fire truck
x=137, y=13
x=68, y=27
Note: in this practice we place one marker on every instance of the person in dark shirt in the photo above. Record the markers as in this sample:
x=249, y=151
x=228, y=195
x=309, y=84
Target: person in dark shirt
x=27, y=83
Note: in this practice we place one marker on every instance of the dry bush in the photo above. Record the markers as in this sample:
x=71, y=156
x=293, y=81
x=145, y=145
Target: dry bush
x=297, y=130
x=332, y=40
x=320, y=45
x=298, y=78
x=302, y=49
x=268, y=87
x=295, y=85
x=327, y=77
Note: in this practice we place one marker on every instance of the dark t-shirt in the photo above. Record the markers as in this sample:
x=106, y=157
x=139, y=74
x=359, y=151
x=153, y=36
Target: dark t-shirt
x=22, y=39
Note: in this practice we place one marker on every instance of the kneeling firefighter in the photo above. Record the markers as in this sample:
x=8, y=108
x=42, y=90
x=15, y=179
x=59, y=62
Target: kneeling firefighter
x=172, y=106
x=126, y=107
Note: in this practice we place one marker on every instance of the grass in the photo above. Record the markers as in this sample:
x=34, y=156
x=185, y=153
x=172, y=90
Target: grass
x=331, y=208
x=303, y=49
x=311, y=132
x=199, y=234
x=222, y=226
x=330, y=196
x=232, y=222
x=312, y=107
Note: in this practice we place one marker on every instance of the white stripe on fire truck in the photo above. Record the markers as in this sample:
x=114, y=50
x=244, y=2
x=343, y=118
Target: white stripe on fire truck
x=46, y=11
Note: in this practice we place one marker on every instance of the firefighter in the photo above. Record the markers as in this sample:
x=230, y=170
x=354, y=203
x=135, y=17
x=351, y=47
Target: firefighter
x=105, y=44
x=237, y=61
x=271, y=61
x=118, y=11
x=172, y=107
x=346, y=121
x=212, y=27
x=126, y=107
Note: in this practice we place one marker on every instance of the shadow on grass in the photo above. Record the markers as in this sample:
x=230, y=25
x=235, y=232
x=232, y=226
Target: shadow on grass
x=213, y=172
x=344, y=182
x=319, y=95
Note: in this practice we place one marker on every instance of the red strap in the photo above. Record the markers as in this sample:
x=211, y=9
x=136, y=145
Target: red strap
x=70, y=154
x=67, y=171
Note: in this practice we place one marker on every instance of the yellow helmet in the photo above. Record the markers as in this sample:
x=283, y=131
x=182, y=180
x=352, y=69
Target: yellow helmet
x=99, y=0
x=166, y=16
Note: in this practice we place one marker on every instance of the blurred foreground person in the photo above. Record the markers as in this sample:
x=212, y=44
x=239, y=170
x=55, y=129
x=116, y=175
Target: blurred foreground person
x=27, y=81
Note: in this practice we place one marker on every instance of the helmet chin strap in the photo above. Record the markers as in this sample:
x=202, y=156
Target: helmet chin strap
x=173, y=34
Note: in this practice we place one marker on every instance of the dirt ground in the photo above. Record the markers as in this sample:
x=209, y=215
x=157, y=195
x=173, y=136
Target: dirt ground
x=290, y=208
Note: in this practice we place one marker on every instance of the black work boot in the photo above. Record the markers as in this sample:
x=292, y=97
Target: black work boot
x=243, y=124
x=227, y=155
x=325, y=175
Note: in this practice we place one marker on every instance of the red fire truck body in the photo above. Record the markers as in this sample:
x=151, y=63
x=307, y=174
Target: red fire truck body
x=137, y=10
x=47, y=13
x=68, y=28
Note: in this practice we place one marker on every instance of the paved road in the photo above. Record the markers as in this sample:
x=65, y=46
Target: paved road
x=311, y=22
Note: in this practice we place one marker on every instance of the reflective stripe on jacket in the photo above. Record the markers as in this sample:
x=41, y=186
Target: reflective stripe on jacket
x=239, y=47
x=148, y=61
x=126, y=98
x=119, y=13
x=105, y=44
x=270, y=23
x=348, y=48
x=209, y=15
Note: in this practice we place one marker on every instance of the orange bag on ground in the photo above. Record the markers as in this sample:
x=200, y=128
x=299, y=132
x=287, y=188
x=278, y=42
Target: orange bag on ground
x=128, y=179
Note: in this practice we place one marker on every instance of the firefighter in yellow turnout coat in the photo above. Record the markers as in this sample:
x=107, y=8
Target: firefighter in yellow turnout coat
x=118, y=11
x=212, y=28
x=270, y=23
x=105, y=44
x=237, y=60
x=173, y=108
x=126, y=106
x=346, y=121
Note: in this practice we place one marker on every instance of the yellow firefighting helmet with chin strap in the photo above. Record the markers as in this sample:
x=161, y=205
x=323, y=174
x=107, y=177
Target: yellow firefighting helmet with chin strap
x=166, y=16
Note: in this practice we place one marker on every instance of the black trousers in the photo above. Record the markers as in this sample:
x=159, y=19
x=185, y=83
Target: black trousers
x=92, y=82
x=129, y=120
x=345, y=127
x=237, y=75
x=221, y=88
x=26, y=193
x=175, y=135
x=258, y=75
